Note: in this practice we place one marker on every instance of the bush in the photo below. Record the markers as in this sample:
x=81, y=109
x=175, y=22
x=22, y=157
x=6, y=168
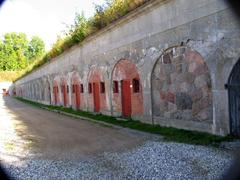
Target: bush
x=105, y=14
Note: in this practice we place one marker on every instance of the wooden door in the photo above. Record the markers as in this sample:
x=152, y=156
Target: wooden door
x=55, y=91
x=64, y=90
x=49, y=95
x=77, y=92
x=234, y=108
x=96, y=97
x=126, y=98
x=234, y=100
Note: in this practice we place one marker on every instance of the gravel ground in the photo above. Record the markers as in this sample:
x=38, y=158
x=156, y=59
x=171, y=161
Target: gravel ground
x=37, y=144
x=152, y=160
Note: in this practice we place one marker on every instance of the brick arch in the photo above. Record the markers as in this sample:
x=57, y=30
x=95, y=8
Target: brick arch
x=49, y=84
x=64, y=91
x=46, y=90
x=56, y=92
x=76, y=97
x=41, y=85
x=95, y=74
x=125, y=100
x=181, y=87
x=96, y=97
x=37, y=89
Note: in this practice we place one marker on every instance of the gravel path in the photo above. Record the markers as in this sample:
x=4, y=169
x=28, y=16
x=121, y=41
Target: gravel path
x=152, y=160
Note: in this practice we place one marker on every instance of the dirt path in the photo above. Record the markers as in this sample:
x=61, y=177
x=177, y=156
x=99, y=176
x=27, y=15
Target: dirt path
x=51, y=135
x=38, y=144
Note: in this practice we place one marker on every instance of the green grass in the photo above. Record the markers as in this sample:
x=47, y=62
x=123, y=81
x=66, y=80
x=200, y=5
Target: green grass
x=169, y=133
x=82, y=28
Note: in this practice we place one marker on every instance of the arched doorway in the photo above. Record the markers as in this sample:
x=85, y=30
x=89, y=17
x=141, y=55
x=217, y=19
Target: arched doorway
x=65, y=91
x=234, y=99
x=93, y=88
x=55, y=92
x=181, y=88
x=97, y=87
x=127, y=90
x=76, y=90
x=47, y=91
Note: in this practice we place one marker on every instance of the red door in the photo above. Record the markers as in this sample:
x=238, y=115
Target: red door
x=96, y=97
x=77, y=92
x=64, y=90
x=55, y=91
x=126, y=98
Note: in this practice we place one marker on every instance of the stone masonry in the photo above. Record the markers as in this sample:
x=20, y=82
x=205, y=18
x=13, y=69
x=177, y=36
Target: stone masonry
x=165, y=63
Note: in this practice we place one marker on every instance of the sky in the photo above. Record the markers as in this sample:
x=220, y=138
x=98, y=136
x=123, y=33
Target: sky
x=44, y=18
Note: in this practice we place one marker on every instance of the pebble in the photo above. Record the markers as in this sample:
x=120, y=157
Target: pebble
x=152, y=160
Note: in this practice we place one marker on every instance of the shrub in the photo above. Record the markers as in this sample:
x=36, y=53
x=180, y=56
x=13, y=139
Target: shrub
x=105, y=14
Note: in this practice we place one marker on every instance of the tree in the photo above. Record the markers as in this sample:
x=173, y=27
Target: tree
x=16, y=51
x=36, y=48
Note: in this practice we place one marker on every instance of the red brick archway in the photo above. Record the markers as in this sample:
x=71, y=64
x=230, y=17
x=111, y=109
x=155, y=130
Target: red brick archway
x=55, y=92
x=127, y=89
x=65, y=91
x=96, y=89
x=76, y=97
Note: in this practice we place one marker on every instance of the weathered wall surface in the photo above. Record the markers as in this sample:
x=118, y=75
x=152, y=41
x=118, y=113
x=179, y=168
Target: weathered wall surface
x=181, y=87
x=206, y=27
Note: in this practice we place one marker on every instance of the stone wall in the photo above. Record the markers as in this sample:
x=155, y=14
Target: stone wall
x=181, y=87
x=182, y=53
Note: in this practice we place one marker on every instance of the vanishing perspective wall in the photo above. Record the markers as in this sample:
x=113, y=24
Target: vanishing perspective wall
x=173, y=58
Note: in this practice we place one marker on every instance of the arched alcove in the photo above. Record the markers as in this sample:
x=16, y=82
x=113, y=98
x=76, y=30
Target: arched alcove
x=76, y=96
x=56, y=97
x=127, y=95
x=47, y=91
x=97, y=88
x=181, y=87
x=64, y=90
x=234, y=99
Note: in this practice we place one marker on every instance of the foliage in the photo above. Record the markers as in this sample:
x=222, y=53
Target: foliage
x=16, y=52
x=169, y=134
x=78, y=30
x=82, y=28
x=9, y=75
x=36, y=48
